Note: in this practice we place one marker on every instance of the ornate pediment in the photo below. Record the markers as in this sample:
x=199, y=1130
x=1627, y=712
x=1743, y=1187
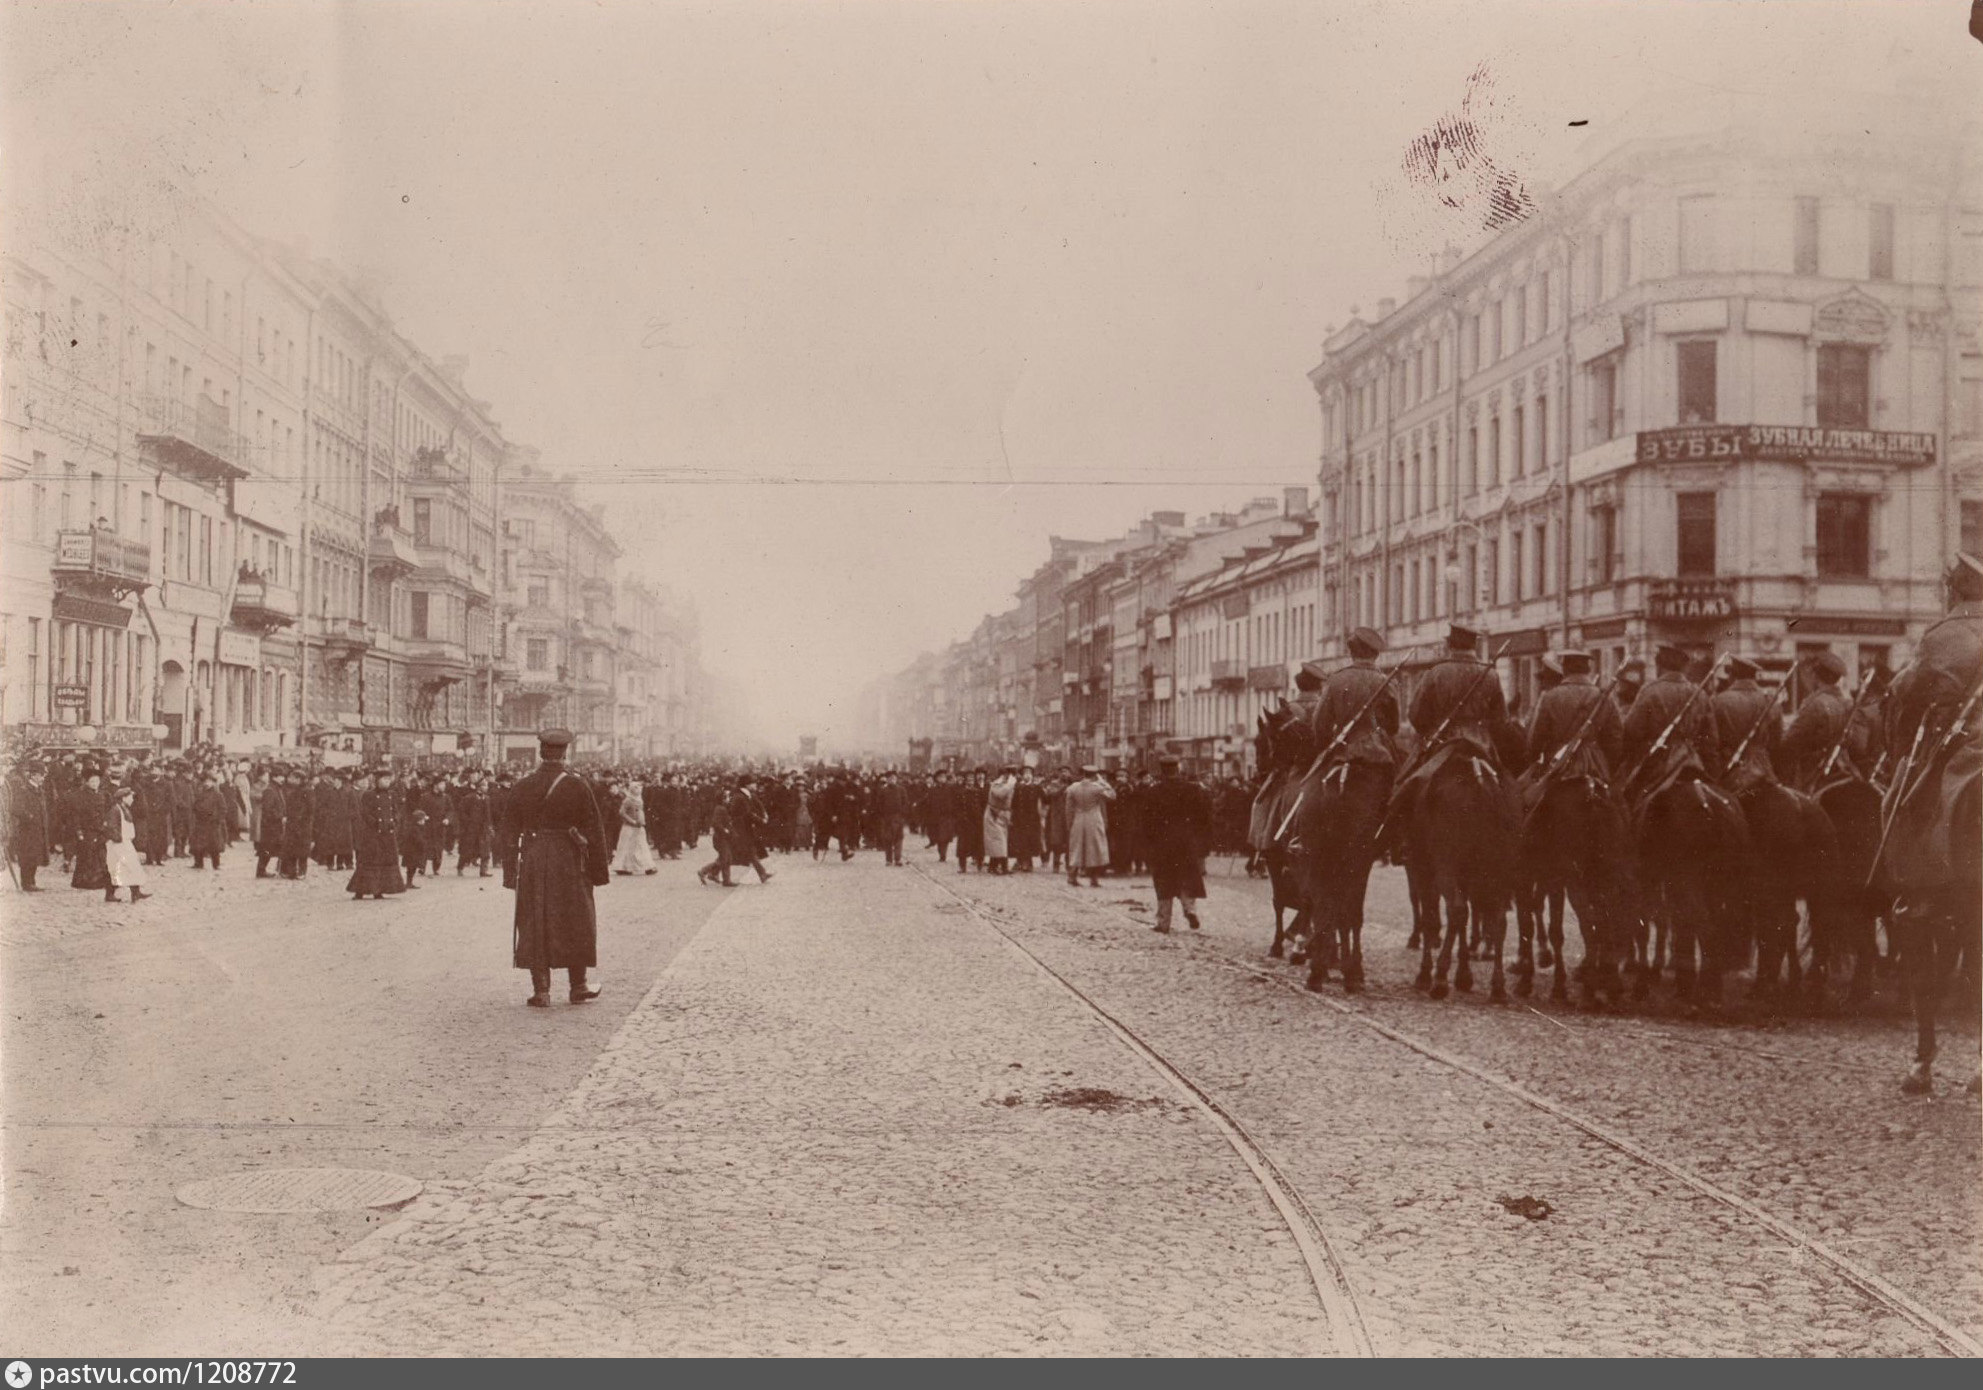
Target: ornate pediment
x=1853, y=317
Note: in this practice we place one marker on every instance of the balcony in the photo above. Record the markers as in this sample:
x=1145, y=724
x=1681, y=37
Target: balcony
x=96, y=560
x=1229, y=675
x=433, y=663
x=435, y=466
x=192, y=439
x=261, y=605
x=436, y=561
x=593, y=688
x=596, y=584
x=342, y=639
x=392, y=553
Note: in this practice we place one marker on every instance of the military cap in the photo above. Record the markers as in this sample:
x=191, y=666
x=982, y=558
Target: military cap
x=1829, y=666
x=1552, y=662
x=554, y=738
x=1575, y=663
x=1965, y=576
x=1670, y=658
x=1168, y=764
x=1090, y=770
x=1365, y=641
x=1461, y=638
x=1309, y=677
x=1742, y=669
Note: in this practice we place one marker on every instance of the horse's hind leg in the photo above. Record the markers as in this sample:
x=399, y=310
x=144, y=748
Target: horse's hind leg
x=1280, y=932
x=1451, y=931
x=1496, y=918
x=1468, y=928
x=1549, y=951
x=1528, y=903
x=1559, y=988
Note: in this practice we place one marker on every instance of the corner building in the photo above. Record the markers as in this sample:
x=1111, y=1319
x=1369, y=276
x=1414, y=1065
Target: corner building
x=1723, y=390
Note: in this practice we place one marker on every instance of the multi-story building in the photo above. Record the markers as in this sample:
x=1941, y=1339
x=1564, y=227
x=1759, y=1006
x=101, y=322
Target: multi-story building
x=560, y=652
x=1241, y=632
x=1720, y=391
x=242, y=509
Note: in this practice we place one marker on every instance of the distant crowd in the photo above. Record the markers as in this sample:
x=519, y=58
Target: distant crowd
x=105, y=819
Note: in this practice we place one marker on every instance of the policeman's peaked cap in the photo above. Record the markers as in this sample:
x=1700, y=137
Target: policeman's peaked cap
x=1575, y=663
x=1364, y=641
x=1829, y=666
x=1670, y=658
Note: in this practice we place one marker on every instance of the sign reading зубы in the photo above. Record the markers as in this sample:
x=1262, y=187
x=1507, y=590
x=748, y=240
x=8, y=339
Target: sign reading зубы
x=1786, y=444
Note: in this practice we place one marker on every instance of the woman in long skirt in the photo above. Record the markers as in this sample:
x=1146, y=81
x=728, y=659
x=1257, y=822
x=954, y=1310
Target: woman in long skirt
x=120, y=848
x=633, y=855
x=377, y=842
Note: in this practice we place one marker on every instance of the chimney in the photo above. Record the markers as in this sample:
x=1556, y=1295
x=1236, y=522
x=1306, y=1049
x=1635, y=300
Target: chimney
x=1294, y=501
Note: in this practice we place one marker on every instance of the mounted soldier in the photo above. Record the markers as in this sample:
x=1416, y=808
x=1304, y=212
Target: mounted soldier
x=1930, y=851
x=1820, y=724
x=1355, y=721
x=1746, y=724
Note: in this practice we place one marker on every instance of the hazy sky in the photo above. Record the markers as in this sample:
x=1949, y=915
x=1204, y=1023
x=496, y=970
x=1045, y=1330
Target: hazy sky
x=998, y=245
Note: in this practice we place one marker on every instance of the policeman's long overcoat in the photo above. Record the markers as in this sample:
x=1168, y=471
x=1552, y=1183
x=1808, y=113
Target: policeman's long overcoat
x=1087, y=823
x=554, y=854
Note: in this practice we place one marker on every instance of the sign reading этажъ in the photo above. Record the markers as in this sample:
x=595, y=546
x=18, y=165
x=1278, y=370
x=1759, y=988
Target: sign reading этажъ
x=1785, y=443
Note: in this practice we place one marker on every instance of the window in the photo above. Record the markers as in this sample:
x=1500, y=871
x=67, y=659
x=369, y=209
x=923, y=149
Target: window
x=1696, y=531
x=419, y=600
x=1604, y=543
x=1517, y=444
x=423, y=519
x=1597, y=268
x=1541, y=551
x=1494, y=452
x=1517, y=576
x=1473, y=459
x=1494, y=333
x=537, y=654
x=1624, y=252
x=1604, y=399
x=1491, y=569
x=1542, y=433
x=1696, y=363
x=1845, y=536
x=1432, y=477
x=1804, y=253
x=1698, y=251
x=1542, y=301
x=1522, y=316
x=1471, y=578
x=1845, y=372
x=1970, y=538
x=540, y=595
x=1879, y=242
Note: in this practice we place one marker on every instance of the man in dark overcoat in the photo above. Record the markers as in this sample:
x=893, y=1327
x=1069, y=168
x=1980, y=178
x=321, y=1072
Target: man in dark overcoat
x=83, y=818
x=554, y=855
x=1176, y=827
x=299, y=824
x=271, y=828
x=27, y=826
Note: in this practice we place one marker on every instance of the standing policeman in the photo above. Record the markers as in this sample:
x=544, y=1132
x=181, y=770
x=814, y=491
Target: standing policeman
x=554, y=855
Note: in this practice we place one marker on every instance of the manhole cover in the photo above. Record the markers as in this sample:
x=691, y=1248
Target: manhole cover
x=301, y=1189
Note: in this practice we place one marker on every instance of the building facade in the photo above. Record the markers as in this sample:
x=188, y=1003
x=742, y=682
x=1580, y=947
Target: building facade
x=1719, y=392
x=240, y=508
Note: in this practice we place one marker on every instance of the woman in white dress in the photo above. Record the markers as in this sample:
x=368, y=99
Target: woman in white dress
x=634, y=854
x=120, y=848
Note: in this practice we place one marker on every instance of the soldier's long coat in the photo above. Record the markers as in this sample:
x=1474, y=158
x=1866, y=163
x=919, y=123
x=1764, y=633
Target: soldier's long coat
x=1087, y=824
x=554, y=854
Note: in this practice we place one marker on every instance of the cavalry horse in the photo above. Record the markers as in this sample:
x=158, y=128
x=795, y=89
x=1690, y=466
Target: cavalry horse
x=1285, y=746
x=1464, y=835
x=1573, y=848
x=1694, y=860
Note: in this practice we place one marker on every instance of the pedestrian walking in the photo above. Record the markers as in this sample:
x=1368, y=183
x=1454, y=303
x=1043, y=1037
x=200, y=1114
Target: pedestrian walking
x=634, y=855
x=554, y=855
x=209, y=830
x=83, y=814
x=27, y=826
x=122, y=860
x=1177, y=833
x=1087, y=827
x=376, y=841
x=892, y=802
x=998, y=820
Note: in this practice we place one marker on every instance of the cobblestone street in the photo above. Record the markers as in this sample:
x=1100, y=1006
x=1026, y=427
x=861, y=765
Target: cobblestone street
x=896, y=1110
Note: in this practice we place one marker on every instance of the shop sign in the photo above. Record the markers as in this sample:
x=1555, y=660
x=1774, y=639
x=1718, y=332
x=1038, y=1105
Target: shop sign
x=1240, y=604
x=1842, y=626
x=1785, y=444
x=240, y=649
x=80, y=608
x=75, y=550
x=1603, y=630
x=71, y=696
x=1690, y=600
x=1532, y=642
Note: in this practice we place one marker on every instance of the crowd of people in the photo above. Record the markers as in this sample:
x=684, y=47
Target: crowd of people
x=107, y=819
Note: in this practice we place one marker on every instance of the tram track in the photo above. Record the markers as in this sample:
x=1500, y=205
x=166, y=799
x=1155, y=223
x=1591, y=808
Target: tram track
x=1334, y=1293
x=1867, y=1281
